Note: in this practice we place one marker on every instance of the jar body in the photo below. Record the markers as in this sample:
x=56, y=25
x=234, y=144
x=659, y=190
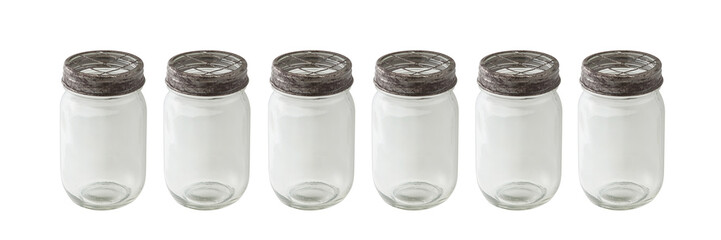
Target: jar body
x=311, y=148
x=207, y=147
x=102, y=148
x=621, y=148
x=518, y=148
x=415, y=148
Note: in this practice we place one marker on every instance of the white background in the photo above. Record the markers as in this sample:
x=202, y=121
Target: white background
x=37, y=36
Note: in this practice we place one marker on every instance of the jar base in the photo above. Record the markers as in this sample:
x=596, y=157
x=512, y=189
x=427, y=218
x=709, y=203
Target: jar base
x=415, y=196
x=518, y=196
x=620, y=196
x=206, y=196
x=311, y=196
x=102, y=196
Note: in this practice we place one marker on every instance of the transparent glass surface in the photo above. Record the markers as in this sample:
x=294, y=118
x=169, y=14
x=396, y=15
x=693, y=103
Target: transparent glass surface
x=311, y=148
x=518, y=148
x=621, y=148
x=207, y=147
x=415, y=148
x=102, y=148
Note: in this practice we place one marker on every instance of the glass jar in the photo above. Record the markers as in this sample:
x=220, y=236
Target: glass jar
x=206, y=129
x=415, y=129
x=518, y=129
x=102, y=129
x=621, y=129
x=311, y=129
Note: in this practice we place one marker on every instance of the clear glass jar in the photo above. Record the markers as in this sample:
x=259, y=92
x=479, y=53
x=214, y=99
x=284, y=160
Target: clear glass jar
x=415, y=129
x=207, y=129
x=311, y=129
x=518, y=129
x=102, y=129
x=621, y=129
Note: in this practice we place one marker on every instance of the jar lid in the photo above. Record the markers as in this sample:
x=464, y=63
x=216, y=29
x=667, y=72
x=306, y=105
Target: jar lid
x=311, y=73
x=621, y=73
x=103, y=73
x=519, y=73
x=207, y=73
x=415, y=73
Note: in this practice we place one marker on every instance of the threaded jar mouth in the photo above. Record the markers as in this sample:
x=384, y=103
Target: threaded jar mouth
x=103, y=73
x=415, y=73
x=207, y=73
x=311, y=73
x=621, y=73
x=519, y=73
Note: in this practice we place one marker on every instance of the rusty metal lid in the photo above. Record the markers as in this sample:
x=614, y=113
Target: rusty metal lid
x=519, y=73
x=621, y=73
x=103, y=73
x=207, y=73
x=311, y=73
x=415, y=73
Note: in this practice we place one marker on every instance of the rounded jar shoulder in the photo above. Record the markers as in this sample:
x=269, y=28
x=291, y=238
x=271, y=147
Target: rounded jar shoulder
x=280, y=99
x=649, y=99
x=447, y=97
x=508, y=106
x=77, y=103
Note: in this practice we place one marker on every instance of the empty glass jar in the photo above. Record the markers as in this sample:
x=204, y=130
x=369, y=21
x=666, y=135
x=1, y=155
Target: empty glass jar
x=518, y=129
x=102, y=129
x=311, y=129
x=207, y=129
x=415, y=129
x=621, y=129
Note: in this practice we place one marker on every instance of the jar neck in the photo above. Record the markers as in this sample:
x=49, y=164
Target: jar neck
x=204, y=97
x=443, y=94
x=344, y=92
x=542, y=95
x=90, y=97
x=645, y=95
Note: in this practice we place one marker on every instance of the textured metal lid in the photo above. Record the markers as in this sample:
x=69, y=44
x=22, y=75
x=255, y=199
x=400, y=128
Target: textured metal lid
x=207, y=73
x=311, y=73
x=415, y=73
x=519, y=73
x=621, y=73
x=103, y=73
